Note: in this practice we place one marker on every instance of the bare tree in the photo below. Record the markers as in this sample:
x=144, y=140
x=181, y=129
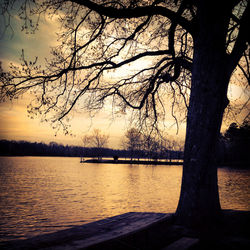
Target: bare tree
x=133, y=141
x=86, y=139
x=86, y=143
x=151, y=146
x=177, y=49
x=96, y=140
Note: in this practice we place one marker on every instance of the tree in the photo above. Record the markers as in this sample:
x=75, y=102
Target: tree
x=151, y=146
x=133, y=141
x=85, y=142
x=188, y=49
x=237, y=140
x=171, y=145
x=96, y=140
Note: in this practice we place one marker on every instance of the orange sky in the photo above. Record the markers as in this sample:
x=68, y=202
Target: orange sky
x=14, y=123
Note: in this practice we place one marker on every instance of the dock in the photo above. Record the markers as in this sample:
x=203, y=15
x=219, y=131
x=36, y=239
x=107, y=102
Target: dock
x=133, y=230
x=136, y=162
x=145, y=231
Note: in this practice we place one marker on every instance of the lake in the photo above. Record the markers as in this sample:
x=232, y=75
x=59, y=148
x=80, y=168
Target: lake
x=46, y=194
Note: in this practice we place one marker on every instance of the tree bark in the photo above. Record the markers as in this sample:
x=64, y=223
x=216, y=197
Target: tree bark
x=199, y=200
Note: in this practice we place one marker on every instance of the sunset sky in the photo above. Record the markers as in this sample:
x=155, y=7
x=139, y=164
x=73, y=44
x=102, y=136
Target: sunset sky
x=14, y=122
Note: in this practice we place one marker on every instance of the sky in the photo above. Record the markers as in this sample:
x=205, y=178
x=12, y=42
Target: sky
x=14, y=121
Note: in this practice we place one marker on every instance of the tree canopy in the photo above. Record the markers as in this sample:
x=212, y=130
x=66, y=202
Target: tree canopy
x=137, y=54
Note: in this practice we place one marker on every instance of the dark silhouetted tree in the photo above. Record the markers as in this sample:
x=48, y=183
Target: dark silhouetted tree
x=237, y=140
x=176, y=48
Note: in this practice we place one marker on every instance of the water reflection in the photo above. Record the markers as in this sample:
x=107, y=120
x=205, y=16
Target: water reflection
x=40, y=195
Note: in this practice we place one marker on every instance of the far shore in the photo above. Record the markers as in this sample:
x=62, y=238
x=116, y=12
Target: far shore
x=144, y=162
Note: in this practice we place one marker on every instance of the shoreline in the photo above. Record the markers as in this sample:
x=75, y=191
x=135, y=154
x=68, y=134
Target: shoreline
x=144, y=162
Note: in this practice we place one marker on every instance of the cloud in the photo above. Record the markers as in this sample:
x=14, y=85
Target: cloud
x=37, y=44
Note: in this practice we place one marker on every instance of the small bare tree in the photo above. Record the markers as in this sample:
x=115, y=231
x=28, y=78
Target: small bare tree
x=133, y=141
x=99, y=140
x=96, y=140
x=151, y=146
x=85, y=142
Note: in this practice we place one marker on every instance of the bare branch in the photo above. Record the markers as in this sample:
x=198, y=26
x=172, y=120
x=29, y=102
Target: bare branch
x=242, y=40
x=137, y=12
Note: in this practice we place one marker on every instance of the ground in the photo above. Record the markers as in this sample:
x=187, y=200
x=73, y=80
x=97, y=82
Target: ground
x=146, y=231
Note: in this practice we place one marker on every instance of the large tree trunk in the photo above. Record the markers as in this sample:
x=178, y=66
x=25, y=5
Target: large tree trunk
x=199, y=200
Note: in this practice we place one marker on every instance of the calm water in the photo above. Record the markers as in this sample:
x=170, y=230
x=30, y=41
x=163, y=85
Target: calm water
x=43, y=194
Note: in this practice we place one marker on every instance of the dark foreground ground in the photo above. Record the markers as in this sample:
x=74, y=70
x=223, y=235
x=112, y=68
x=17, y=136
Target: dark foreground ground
x=145, y=231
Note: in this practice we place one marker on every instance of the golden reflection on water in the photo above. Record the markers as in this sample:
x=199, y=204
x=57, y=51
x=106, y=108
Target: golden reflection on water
x=234, y=188
x=42, y=194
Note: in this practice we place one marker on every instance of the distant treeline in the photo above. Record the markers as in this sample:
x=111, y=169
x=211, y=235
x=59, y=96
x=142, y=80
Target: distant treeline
x=24, y=148
x=233, y=149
